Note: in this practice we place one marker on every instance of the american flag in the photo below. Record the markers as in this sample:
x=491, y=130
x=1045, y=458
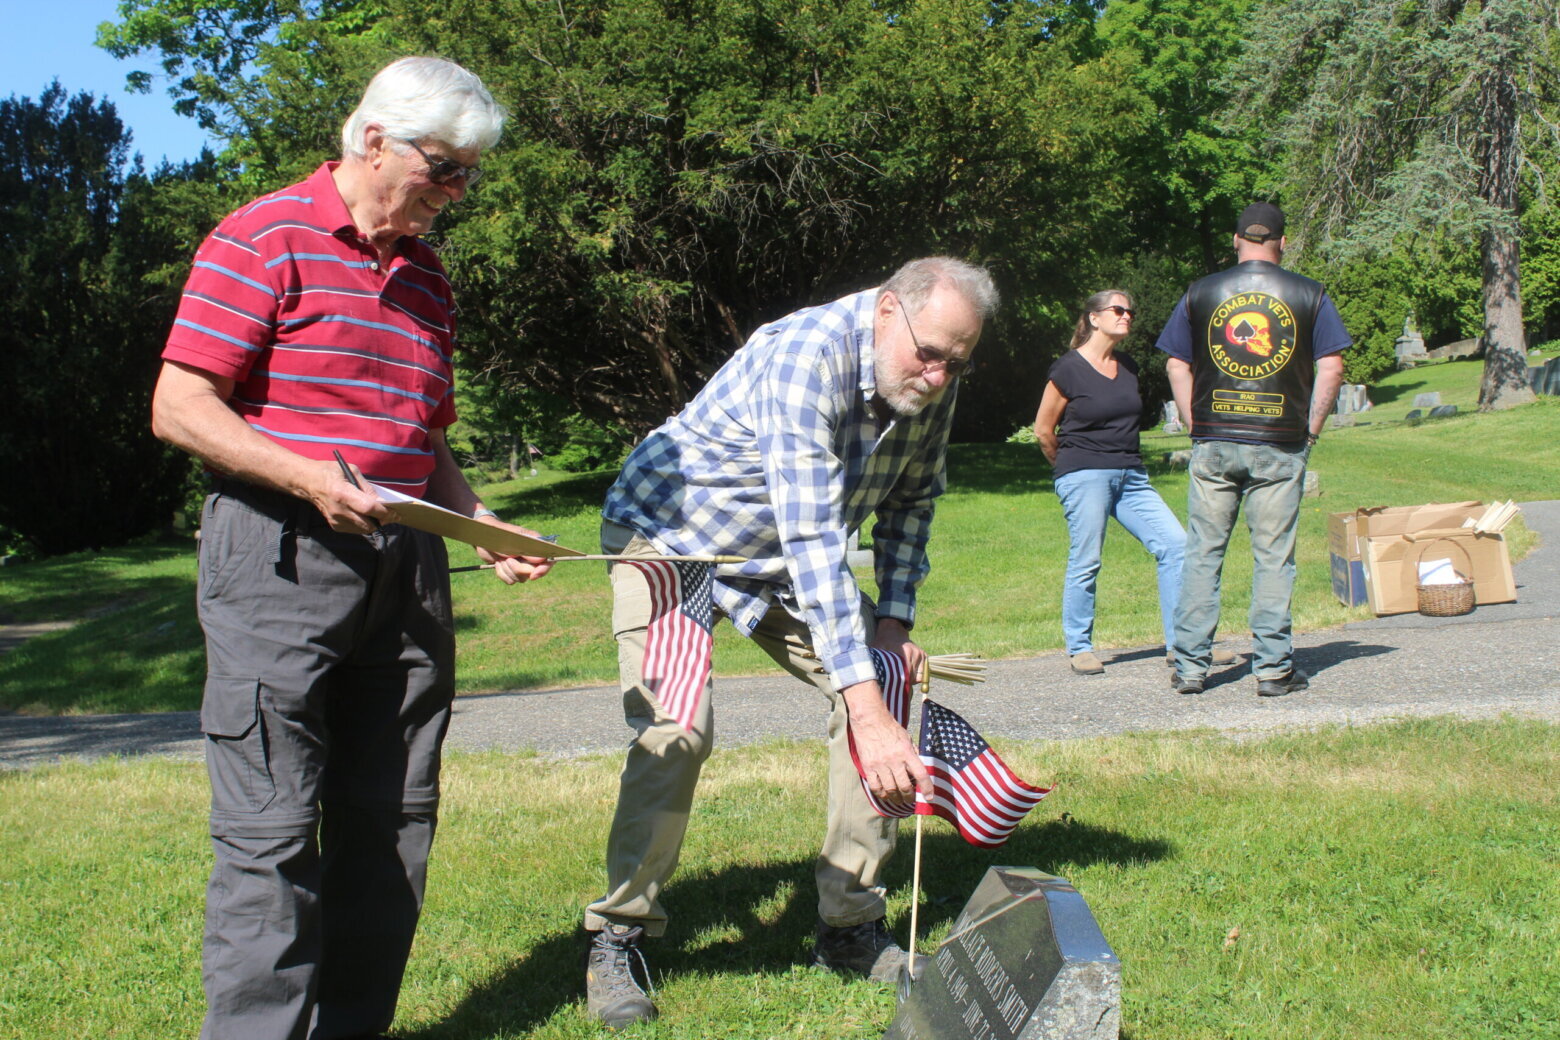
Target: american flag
x=895, y=681
x=972, y=788
x=676, y=667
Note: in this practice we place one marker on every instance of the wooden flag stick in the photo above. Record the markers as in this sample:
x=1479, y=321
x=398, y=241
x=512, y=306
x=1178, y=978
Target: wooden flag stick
x=618, y=557
x=915, y=877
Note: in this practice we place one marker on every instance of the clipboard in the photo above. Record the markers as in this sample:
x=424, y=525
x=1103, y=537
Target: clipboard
x=425, y=516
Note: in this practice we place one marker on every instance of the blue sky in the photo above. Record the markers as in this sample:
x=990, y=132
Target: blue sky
x=45, y=39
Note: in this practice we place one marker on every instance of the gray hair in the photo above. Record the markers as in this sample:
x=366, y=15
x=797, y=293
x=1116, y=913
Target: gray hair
x=913, y=283
x=426, y=98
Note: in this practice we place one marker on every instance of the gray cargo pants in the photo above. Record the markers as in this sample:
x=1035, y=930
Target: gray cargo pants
x=330, y=663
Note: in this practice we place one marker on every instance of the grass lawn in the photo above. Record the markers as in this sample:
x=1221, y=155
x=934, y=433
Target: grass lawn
x=1390, y=881
x=998, y=549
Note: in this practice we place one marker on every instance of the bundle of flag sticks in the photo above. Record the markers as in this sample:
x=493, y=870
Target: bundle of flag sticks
x=964, y=669
x=1495, y=518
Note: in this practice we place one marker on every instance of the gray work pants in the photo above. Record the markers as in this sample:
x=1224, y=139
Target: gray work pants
x=330, y=664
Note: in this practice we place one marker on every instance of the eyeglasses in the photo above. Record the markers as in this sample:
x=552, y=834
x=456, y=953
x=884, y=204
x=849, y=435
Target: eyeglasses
x=932, y=358
x=442, y=171
x=1118, y=310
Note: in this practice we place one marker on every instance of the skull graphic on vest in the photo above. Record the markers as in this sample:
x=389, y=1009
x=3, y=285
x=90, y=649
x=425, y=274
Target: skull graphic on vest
x=1251, y=330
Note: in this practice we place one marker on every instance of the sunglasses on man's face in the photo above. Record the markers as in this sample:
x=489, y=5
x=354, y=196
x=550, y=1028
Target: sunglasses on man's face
x=1118, y=310
x=442, y=171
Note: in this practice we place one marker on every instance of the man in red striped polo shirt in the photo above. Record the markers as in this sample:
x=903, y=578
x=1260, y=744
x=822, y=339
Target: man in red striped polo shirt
x=316, y=321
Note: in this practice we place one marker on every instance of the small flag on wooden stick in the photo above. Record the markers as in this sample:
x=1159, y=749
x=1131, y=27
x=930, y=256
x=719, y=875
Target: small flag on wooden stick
x=973, y=789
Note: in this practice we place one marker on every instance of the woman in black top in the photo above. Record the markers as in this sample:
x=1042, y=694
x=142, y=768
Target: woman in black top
x=1088, y=428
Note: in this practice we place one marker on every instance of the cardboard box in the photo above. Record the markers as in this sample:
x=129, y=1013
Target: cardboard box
x=1346, y=533
x=1392, y=566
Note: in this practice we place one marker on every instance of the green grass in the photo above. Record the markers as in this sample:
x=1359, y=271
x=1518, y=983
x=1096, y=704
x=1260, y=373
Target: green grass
x=999, y=547
x=1385, y=881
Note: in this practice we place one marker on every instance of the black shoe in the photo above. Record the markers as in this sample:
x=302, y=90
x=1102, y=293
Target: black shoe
x=1180, y=685
x=1295, y=680
x=860, y=949
x=616, y=978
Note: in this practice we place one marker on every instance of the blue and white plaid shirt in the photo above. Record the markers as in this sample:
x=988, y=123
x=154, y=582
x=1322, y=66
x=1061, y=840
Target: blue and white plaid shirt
x=778, y=459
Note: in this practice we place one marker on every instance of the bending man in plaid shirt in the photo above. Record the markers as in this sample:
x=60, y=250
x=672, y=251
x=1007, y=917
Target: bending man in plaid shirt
x=823, y=419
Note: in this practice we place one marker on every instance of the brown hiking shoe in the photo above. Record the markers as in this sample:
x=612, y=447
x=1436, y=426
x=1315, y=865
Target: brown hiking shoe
x=859, y=949
x=1086, y=663
x=616, y=978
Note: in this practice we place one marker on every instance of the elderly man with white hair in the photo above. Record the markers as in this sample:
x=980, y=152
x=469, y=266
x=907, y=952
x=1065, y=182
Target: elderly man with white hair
x=312, y=350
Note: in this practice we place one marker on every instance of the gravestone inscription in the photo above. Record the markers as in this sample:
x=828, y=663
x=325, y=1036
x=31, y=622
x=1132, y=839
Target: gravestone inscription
x=1025, y=960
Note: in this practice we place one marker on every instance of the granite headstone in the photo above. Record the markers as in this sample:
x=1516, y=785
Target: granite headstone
x=1025, y=960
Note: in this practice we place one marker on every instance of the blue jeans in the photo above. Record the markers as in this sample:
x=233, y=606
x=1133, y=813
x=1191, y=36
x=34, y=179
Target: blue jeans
x=1090, y=497
x=1269, y=479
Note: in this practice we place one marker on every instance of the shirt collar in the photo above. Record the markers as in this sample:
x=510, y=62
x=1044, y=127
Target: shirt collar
x=328, y=201
x=865, y=318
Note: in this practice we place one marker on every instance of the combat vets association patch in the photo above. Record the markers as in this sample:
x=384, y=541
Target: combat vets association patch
x=1251, y=335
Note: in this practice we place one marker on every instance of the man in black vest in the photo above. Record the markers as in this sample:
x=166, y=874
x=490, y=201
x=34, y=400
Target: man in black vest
x=1255, y=366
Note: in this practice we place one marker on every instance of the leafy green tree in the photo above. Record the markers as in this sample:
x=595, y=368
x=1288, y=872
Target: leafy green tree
x=1188, y=173
x=679, y=171
x=82, y=249
x=1395, y=115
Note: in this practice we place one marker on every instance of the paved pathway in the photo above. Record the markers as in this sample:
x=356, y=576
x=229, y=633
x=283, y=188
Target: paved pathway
x=1500, y=659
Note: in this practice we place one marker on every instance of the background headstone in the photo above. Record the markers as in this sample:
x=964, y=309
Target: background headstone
x=1025, y=960
x=1441, y=411
x=1410, y=346
x=1313, y=484
x=1414, y=416
x=1342, y=420
x=1179, y=459
x=1169, y=413
x=1173, y=426
x=1461, y=348
x=1351, y=398
x=1545, y=378
x=1427, y=400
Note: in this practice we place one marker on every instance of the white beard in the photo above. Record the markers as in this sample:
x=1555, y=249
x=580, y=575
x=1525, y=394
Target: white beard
x=908, y=395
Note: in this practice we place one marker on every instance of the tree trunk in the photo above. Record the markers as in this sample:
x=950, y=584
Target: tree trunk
x=1505, y=382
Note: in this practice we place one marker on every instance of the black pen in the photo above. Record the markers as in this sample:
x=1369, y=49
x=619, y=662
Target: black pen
x=346, y=471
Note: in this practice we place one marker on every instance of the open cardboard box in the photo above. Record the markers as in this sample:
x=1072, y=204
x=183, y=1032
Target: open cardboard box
x=1392, y=566
x=1346, y=534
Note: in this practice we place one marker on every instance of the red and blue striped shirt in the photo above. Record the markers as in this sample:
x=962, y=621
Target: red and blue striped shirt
x=327, y=351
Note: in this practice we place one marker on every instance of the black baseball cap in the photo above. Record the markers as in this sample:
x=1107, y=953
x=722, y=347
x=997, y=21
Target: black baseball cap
x=1260, y=222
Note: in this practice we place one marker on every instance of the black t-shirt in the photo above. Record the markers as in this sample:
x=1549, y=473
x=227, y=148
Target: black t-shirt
x=1100, y=425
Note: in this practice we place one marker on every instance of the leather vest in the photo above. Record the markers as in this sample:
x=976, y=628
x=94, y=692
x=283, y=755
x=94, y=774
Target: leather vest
x=1252, y=363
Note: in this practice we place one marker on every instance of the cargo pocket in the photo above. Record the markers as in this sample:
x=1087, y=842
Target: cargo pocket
x=236, y=750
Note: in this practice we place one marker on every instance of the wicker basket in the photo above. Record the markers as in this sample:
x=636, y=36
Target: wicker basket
x=1446, y=600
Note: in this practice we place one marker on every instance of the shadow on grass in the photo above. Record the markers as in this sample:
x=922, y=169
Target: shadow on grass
x=550, y=974
x=149, y=658
x=997, y=469
x=87, y=584
x=559, y=498
x=1393, y=393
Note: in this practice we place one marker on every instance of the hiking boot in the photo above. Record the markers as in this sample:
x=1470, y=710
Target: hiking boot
x=1086, y=663
x=1286, y=684
x=616, y=978
x=1219, y=657
x=859, y=949
x=1186, y=685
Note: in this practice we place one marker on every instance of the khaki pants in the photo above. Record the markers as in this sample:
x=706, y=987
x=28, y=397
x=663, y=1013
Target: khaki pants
x=656, y=788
